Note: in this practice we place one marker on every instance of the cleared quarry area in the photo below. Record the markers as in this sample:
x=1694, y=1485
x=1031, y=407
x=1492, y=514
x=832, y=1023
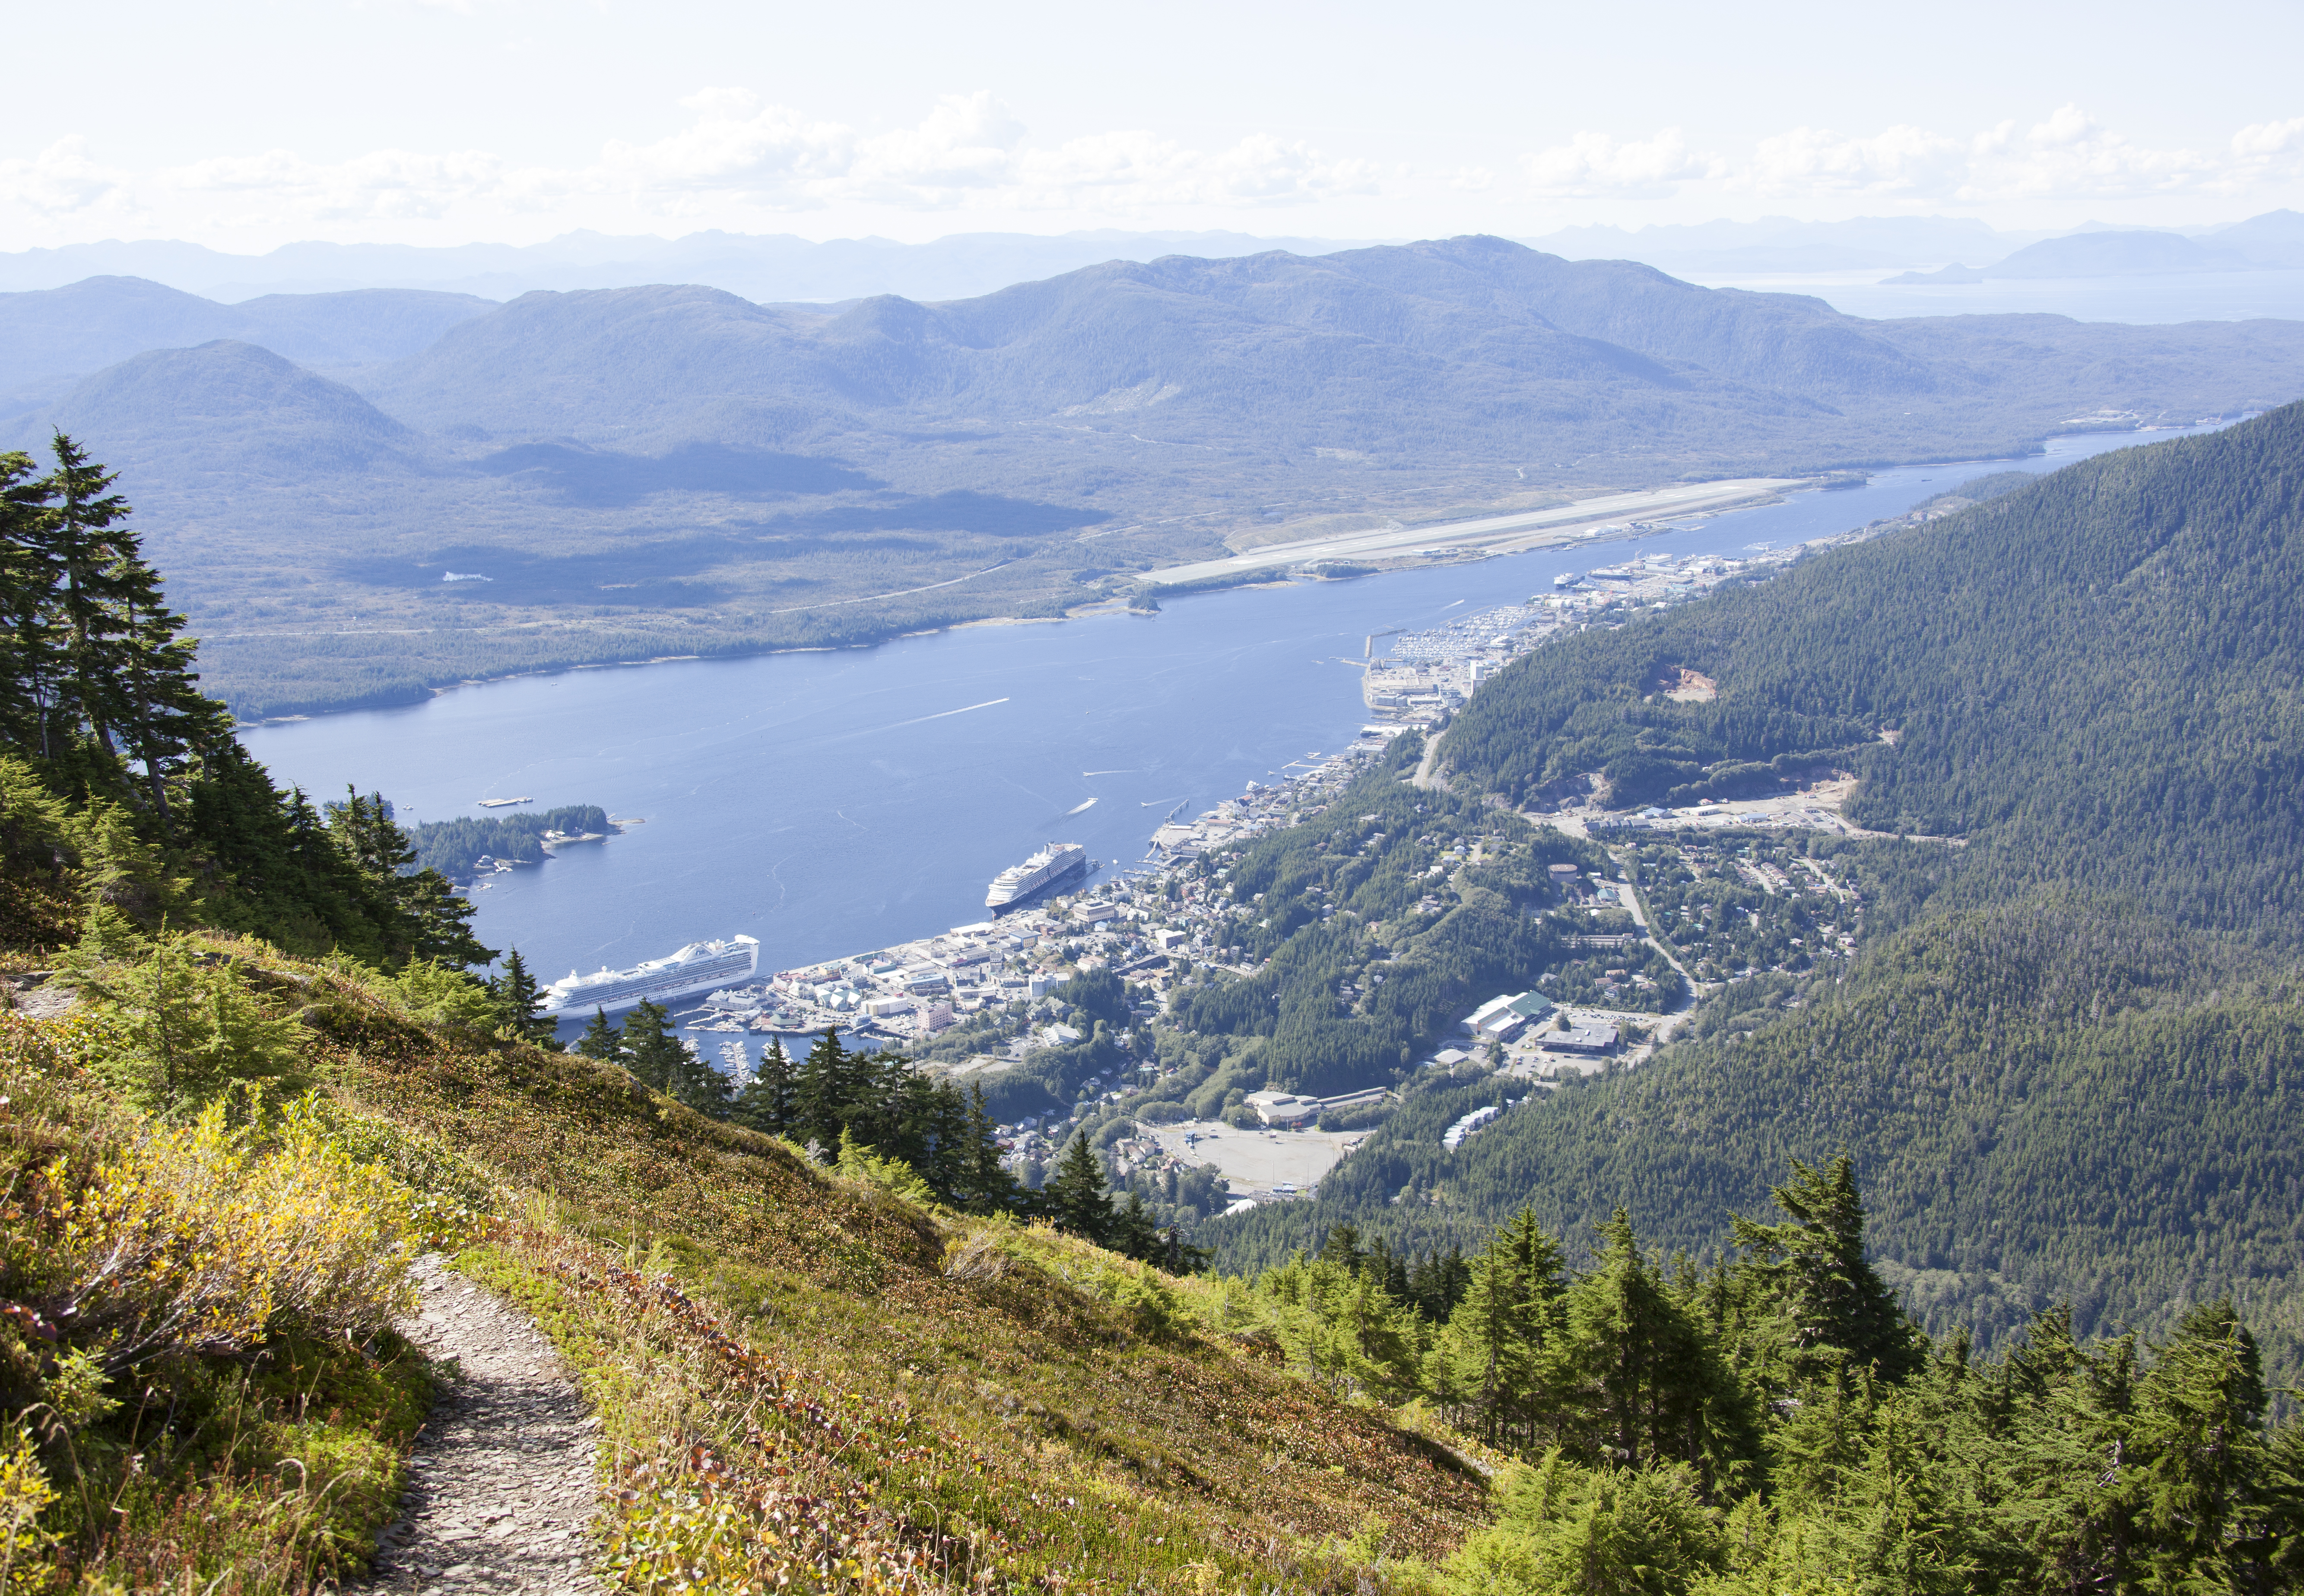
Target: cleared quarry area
x=1493, y=534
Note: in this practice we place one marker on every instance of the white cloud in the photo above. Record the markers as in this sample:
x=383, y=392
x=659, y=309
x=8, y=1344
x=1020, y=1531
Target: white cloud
x=734, y=154
x=2266, y=141
x=1593, y=165
x=735, y=161
x=2067, y=155
x=2070, y=156
x=1899, y=160
x=62, y=181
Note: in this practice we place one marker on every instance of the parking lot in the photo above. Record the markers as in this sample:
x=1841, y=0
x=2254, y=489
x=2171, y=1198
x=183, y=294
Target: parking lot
x=1256, y=1160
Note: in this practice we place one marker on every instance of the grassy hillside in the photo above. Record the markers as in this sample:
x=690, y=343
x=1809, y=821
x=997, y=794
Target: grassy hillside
x=970, y=1396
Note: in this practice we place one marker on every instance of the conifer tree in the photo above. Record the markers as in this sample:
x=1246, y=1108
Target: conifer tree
x=518, y=997
x=601, y=1040
x=696, y=1083
x=649, y=1050
x=84, y=549
x=1834, y=1304
x=988, y=1187
x=1132, y=1233
x=766, y=1103
x=1076, y=1197
x=422, y=914
x=28, y=633
x=822, y=1093
x=152, y=687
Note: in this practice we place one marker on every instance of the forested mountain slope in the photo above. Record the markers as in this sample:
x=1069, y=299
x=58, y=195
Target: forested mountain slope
x=2066, y=1059
x=2091, y=678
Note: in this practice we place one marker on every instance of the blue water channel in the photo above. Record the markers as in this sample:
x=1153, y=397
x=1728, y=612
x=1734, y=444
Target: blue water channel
x=831, y=802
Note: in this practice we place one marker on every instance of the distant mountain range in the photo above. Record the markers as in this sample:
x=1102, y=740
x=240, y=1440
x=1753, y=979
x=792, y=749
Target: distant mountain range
x=677, y=469
x=763, y=268
x=2272, y=242
x=779, y=269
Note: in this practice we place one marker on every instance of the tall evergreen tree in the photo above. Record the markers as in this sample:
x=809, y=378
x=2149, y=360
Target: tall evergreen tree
x=987, y=1186
x=823, y=1093
x=692, y=1080
x=1076, y=1197
x=152, y=687
x=425, y=917
x=1834, y=1304
x=601, y=1040
x=649, y=1050
x=83, y=540
x=518, y=996
x=766, y=1103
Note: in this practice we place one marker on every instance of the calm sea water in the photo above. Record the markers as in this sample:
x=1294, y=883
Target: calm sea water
x=831, y=802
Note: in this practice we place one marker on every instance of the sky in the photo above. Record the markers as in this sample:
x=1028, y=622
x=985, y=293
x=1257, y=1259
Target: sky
x=244, y=124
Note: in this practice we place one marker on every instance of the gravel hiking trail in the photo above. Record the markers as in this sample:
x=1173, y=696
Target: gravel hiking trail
x=501, y=1492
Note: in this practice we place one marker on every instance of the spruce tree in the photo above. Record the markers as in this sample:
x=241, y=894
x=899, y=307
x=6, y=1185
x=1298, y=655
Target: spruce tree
x=650, y=1050
x=988, y=1187
x=150, y=683
x=766, y=1103
x=84, y=549
x=27, y=631
x=517, y=996
x=822, y=1099
x=1134, y=1234
x=693, y=1080
x=601, y=1040
x=1835, y=1305
x=1076, y=1197
x=423, y=916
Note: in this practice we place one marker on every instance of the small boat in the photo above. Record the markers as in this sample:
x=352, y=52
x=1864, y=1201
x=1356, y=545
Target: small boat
x=503, y=802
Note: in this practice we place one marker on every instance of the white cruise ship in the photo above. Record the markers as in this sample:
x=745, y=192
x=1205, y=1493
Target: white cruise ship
x=699, y=967
x=1045, y=868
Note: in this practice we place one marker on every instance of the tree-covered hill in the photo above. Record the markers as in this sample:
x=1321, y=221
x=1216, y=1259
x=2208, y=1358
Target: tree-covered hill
x=2046, y=1102
x=2092, y=678
x=2066, y=1060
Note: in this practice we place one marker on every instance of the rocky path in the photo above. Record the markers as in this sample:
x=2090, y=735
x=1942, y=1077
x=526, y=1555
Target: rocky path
x=502, y=1491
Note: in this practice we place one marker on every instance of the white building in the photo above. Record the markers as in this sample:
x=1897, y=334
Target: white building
x=1283, y=1108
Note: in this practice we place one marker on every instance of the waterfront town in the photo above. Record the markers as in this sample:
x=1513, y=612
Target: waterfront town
x=1164, y=919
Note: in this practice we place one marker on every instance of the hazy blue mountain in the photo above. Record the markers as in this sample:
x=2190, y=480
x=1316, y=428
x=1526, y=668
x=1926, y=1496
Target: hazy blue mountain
x=223, y=412
x=1784, y=244
x=1464, y=347
x=60, y=331
x=714, y=473
x=77, y=328
x=2272, y=240
x=2094, y=255
x=761, y=268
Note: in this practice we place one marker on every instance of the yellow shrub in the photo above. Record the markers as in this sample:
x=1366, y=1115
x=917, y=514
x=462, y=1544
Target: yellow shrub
x=25, y=1494
x=205, y=1238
